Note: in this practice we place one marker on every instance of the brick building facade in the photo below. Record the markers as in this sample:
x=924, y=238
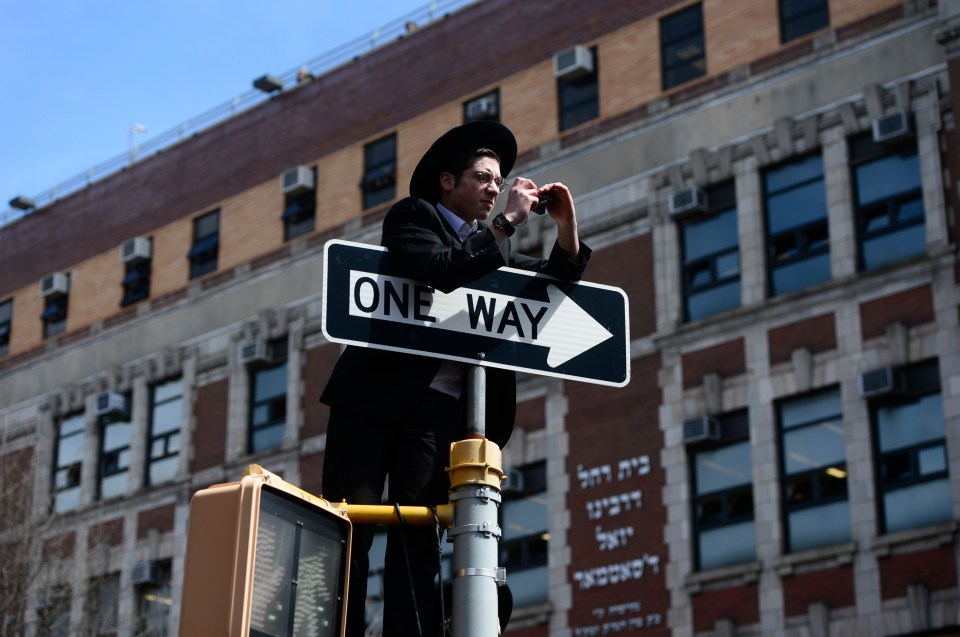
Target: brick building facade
x=773, y=183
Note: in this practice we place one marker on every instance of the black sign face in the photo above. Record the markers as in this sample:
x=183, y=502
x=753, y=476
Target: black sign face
x=509, y=318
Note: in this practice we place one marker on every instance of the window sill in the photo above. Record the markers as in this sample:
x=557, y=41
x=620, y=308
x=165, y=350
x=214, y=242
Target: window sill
x=726, y=577
x=930, y=536
x=831, y=556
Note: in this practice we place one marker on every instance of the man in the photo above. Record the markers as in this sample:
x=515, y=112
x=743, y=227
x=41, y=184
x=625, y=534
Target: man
x=395, y=414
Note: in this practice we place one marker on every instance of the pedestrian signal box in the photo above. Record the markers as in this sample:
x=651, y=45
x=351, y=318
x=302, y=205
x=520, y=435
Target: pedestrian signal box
x=264, y=559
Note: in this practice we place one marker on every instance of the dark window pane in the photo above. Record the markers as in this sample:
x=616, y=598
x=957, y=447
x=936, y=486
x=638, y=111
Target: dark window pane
x=682, y=47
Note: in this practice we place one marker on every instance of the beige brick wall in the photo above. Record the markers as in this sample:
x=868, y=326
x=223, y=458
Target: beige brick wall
x=630, y=68
x=738, y=32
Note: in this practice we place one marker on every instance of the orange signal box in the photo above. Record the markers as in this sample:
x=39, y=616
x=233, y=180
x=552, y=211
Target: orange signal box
x=264, y=559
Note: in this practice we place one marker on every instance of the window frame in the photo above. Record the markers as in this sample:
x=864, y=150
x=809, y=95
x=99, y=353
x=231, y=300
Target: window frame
x=805, y=251
x=165, y=437
x=300, y=212
x=205, y=249
x=820, y=496
x=136, y=280
x=671, y=47
x=494, y=95
x=578, y=99
x=735, y=432
x=55, y=313
x=74, y=469
x=721, y=200
x=788, y=24
x=275, y=404
x=110, y=461
x=379, y=183
x=6, y=325
x=916, y=382
x=863, y=151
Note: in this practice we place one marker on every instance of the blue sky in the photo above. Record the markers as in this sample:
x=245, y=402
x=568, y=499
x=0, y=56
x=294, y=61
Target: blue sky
x=77, y=75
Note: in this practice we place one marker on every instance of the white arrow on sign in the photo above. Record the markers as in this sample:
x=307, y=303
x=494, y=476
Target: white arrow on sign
x=561, y=325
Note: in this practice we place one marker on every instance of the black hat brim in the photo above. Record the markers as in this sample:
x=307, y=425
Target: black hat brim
x=425, y=182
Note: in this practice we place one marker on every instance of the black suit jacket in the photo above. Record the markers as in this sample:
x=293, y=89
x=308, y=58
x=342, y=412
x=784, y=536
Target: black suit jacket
x=385, y=385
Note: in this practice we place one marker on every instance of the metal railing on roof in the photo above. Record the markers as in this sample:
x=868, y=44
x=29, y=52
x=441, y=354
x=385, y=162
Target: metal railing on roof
x=324, y=63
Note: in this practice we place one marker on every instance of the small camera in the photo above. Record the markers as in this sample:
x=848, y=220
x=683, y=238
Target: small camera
x=544, y=199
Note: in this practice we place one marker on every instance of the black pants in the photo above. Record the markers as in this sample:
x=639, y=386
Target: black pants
x=412, y=449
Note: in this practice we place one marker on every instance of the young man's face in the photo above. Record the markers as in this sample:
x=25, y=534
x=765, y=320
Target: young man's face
x=472, y=194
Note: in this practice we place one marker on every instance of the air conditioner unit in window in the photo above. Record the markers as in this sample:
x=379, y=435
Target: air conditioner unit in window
x=482, y=108
x=572, y=63
x=146, y=573
x=136, y=249
x=297, y=181
x=254, y=352
x=514, y=483
x=56, y=284
x=892, y=127
x=110, y=404
x=687, y=200
x=879, y=382
x=700, y=429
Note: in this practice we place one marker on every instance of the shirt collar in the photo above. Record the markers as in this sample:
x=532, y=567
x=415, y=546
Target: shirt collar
x=461, y=227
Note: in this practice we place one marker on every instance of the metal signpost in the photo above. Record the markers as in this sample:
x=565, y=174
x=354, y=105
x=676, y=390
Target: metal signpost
x=509, y=318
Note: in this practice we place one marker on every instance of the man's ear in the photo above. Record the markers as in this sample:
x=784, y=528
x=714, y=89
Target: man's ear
x=447, y=182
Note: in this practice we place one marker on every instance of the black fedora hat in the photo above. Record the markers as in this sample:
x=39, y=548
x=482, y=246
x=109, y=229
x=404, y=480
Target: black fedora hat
x=462, y=139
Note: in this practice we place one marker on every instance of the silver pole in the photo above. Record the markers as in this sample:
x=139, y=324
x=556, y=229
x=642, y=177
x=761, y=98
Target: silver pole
x=475, y=531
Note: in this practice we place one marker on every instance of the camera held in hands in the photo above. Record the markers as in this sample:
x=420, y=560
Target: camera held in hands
x=544, y=199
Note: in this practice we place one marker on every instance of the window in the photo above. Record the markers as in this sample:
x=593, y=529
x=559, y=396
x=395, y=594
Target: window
x=683, y=55
x=268, y=408
x=800, y=17
x=54, y=314
x=523, y=547
x=483, y=108
x=154, y=601
x=163, y=443
x=206, y=244
x=579, y=97
x=136, y=281
x=889, y=201
x=798, y=243
x=53, y=611
x=912, y=470
x=66, y=475
x=299, y=212
x=814, y=470
x=103, y=598
x=711, y=256
x=724, y=531
x=6, y=319
x=114, y=458
x=379, y=183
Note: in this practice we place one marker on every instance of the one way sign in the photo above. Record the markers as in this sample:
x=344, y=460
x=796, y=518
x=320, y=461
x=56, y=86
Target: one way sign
x=509, y=318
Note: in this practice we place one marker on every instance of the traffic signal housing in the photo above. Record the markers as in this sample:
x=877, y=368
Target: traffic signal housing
x=264, y=559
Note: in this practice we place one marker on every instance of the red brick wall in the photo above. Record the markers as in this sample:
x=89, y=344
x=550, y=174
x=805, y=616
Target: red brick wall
x=935, y=568
x=531, y=415
x=210, y=434
x=311, y=473
x=16, y=494
x=615, y=503
x=629, y=265
x=61, y=546
x=109, y=533
x=318, y=363
x=818, y=334
x=160, y=518
x=738, y=604
x=910, y=307
x=833, y=587
x=727, y=359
